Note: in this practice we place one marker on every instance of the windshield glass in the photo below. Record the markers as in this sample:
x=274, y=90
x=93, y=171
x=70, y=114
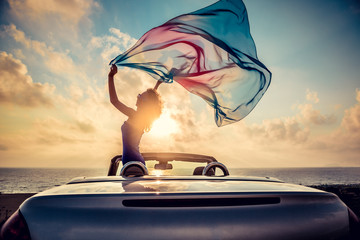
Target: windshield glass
x=179, y=168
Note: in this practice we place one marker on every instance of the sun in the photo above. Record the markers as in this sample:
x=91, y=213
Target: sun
x=165, y=125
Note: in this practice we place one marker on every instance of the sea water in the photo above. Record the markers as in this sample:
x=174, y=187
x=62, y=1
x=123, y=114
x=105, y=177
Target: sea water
x=306, y=176
x=33, y=180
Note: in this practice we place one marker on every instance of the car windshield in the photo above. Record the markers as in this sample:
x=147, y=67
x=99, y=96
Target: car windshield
x=178, y=168
x=174, y=164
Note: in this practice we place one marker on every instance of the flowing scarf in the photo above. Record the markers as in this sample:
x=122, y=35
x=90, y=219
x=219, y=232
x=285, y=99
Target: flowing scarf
x=211, y=53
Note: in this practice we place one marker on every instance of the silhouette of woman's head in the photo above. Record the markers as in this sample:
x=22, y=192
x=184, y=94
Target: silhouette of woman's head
x=149, y=105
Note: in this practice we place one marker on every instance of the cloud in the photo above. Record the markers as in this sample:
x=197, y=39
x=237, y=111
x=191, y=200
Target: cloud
x=342, y=142
x=273, y=131
x=52, y=131
x=85, y=127
x=3, y=147
x=125, y=39
x=312, y=96
x=19, y=54
x=351, y=120
x=63, y=25
x=76, y=129
x=16, y=87
x=188, y=126
x=17, y=35
x=113, y=44
x=312, y=116
x=289, y=130
x=83, y=120
x=58, y=62
x=71, y=11
x=309, y=115
x=284, y=138
x=76, y=92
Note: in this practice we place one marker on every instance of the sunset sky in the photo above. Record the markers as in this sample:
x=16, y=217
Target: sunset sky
x=54, y=103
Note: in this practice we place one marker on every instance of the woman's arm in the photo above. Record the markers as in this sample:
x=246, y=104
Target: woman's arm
x=113, y=96
x=157, y=84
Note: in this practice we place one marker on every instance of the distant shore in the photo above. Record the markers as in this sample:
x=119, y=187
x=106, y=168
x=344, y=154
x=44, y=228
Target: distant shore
x=349, y=194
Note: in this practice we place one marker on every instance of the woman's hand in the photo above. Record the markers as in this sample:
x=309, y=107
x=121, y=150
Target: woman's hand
x=113, y=96
x=113, y=70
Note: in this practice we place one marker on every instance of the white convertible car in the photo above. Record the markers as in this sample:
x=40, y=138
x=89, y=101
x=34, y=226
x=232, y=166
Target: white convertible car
x=200, y=206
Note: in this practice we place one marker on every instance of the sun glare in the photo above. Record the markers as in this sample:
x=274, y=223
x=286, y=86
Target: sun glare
x=163, y=126
x=157, y=173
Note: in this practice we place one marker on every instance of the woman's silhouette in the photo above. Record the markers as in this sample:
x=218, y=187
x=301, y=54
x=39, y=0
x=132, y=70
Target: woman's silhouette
x=149, y=107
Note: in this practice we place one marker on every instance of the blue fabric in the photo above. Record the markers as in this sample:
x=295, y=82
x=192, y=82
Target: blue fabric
x=211, y=53
x=131, y=137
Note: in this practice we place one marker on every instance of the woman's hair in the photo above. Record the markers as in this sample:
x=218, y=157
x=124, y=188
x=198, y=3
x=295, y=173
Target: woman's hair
x=150, y=107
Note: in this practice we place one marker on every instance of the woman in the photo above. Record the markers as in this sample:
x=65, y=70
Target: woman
x=149, y=107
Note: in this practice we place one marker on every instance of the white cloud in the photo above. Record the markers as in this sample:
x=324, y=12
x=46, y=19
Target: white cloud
x=76, y=92
x=126, y=40
x=351, y=120
x=82, y=120
x=312, y=96
x=58, y=23
x=309, y=115
x=57, y=62
x=312, y=116
x=70, y=134
x=342, y=143
x=71, y=11
x=300, y=140
x=16, y=87
x=19, y=54
x=279, y=130
x=112, y=45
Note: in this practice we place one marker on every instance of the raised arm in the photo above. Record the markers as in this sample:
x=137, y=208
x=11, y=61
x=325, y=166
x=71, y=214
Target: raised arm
x=157, y=84
x=113, y=96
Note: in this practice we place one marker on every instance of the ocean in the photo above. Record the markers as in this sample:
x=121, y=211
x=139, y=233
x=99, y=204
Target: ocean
x=33, y=180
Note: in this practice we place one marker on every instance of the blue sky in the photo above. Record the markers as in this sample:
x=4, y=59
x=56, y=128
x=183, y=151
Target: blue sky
x=54, y=104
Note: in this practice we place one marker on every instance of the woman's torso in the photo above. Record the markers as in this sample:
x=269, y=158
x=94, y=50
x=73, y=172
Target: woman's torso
x=131, y=136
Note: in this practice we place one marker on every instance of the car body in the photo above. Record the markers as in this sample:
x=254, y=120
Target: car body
x=203, y=206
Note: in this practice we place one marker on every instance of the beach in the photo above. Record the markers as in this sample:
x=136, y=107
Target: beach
x=349, y=194
x=9, y=203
